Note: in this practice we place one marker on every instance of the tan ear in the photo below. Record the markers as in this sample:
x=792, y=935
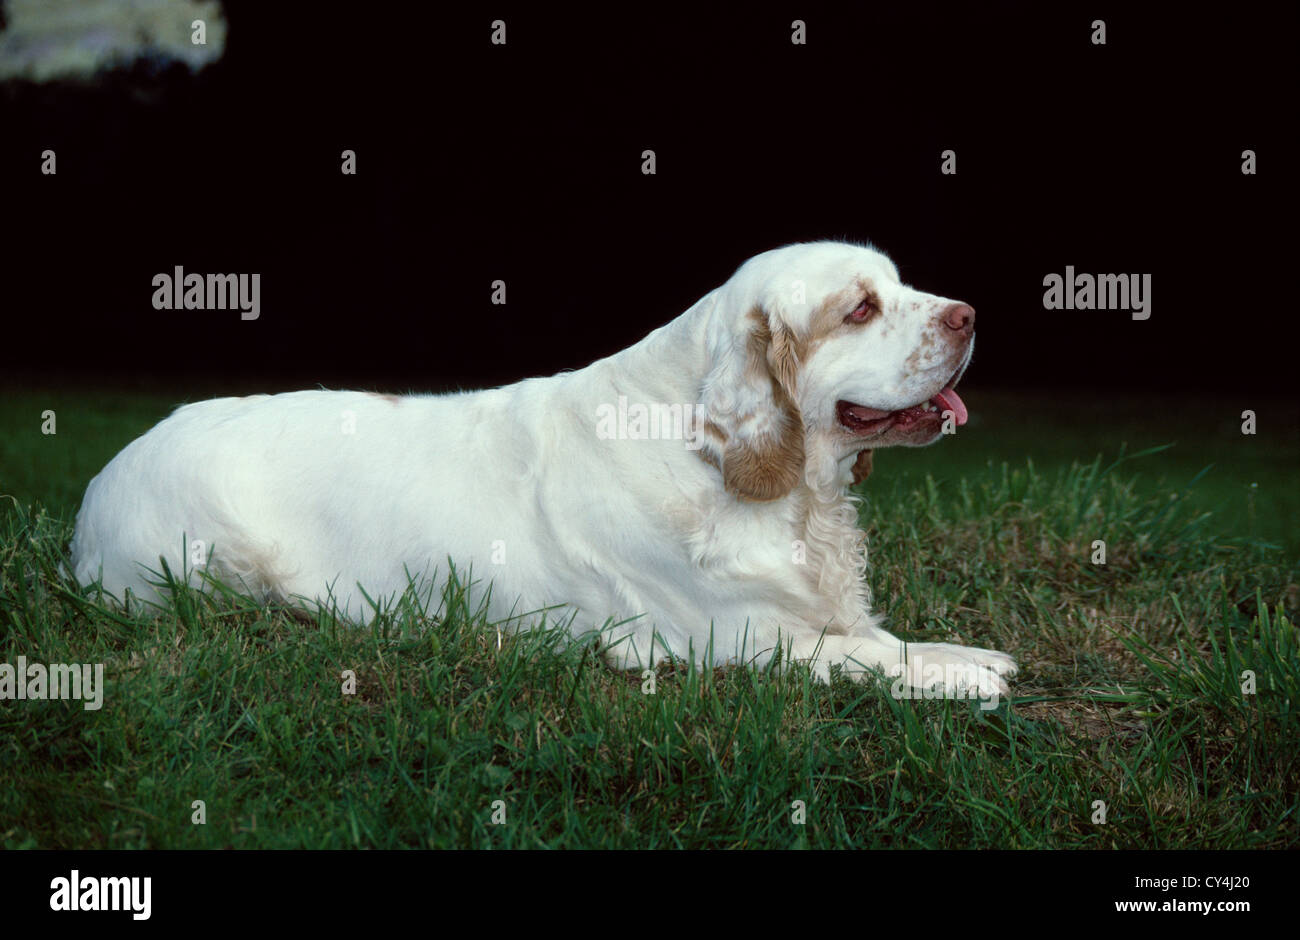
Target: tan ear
x=862, y=466
x=766, y=469
x=767, y=463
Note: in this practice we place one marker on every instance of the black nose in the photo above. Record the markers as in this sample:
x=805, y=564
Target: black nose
x=960, y=317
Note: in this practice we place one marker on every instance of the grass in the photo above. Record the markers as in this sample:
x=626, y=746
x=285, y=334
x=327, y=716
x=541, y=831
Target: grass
x=1130, y=691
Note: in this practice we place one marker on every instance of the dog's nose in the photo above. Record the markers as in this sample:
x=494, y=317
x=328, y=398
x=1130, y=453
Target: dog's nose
x=960, y=317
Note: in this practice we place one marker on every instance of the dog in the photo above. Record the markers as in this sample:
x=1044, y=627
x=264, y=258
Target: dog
x=727, y=536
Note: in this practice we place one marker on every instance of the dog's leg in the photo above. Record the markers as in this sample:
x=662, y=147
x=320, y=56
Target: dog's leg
x=939, y=666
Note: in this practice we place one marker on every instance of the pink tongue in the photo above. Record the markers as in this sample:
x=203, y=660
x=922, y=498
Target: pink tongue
x=949, y=400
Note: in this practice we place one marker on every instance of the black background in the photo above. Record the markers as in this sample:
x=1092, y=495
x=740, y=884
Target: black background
x=523, y=162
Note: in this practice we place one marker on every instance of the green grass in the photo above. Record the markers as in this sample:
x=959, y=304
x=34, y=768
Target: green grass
x=1130, y=690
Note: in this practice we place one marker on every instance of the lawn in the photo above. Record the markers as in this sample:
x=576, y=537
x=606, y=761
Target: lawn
x=1130, y=692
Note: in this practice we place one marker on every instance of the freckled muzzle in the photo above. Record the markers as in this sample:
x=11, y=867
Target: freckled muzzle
x=926, y=416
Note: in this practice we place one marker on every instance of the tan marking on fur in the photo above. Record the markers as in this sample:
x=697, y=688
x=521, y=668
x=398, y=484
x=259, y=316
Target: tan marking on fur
x=774, y=356
x=760, y=335
x=783, y=360
x=715, y=432
x=770, y=467
x=391, y=399
x=829, y=317
x=862, y=466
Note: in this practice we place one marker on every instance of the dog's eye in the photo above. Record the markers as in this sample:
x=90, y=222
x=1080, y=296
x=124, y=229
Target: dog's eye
x=861, y=311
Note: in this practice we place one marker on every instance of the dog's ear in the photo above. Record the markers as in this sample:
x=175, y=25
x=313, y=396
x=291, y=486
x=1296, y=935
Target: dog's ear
x=862, y=467
x=749, y=396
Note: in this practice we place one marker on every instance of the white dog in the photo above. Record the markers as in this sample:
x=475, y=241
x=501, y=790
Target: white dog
x=686, y=495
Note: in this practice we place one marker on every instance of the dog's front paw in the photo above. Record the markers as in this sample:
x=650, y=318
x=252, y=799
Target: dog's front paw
x=955, y=671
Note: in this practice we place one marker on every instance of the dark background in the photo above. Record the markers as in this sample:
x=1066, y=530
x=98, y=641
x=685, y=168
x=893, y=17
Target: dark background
x=523, y=162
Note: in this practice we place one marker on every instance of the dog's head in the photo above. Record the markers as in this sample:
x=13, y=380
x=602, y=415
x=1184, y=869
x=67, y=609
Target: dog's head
x=823, y=340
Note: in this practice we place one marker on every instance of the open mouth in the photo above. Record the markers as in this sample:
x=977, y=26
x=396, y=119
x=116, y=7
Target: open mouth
x=863, y=420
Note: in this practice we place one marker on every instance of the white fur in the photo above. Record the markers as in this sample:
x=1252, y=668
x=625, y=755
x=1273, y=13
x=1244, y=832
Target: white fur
x=515, y=485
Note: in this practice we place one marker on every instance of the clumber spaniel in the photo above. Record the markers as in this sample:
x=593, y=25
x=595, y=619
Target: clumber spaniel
x=686, y=495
